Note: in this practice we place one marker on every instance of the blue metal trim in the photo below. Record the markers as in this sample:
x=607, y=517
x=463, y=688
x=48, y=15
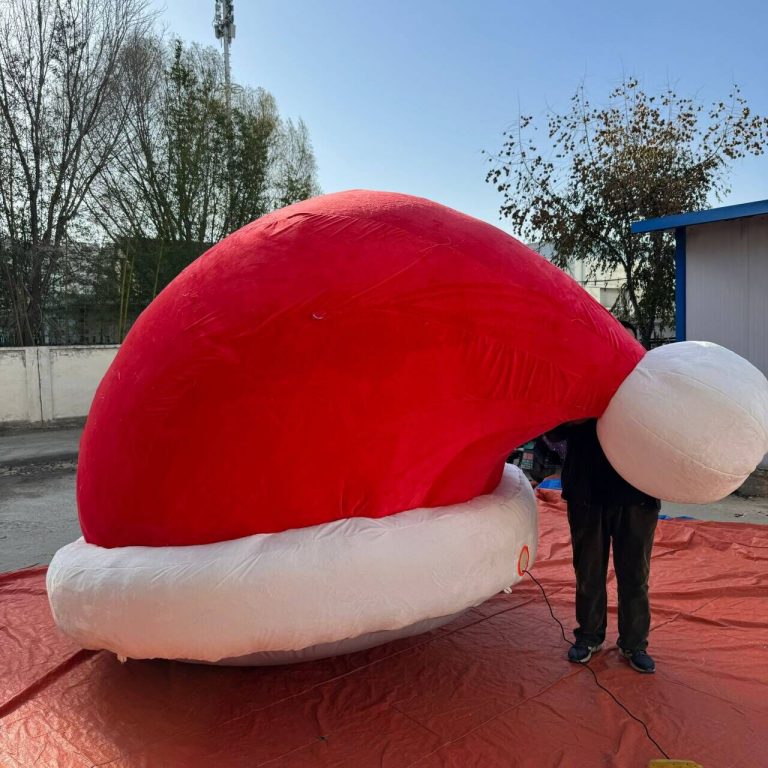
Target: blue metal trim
x=680, y=283
x=757, y=208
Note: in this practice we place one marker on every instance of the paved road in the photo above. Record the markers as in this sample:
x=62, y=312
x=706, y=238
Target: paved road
x=38, y=445
x=38, y=515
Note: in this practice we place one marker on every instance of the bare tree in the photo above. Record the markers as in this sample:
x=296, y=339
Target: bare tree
x=189, y=171
x=61, y=120
x=295, y=169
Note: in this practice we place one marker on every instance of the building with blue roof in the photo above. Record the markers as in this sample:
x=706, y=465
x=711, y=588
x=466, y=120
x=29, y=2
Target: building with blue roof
x=721, y=268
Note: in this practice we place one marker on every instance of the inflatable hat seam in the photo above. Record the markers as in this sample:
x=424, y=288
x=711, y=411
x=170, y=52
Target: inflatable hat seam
x=684, y=455
x=760, y=428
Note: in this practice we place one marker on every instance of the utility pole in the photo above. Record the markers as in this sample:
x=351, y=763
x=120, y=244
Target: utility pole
x=224, y=27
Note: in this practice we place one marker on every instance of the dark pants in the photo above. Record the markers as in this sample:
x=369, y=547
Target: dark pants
x=631, y=529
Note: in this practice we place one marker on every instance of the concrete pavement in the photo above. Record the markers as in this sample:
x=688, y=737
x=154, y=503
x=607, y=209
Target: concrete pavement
x=38, y=515
x=38, y=512
x=39, y=446
x=733, y=509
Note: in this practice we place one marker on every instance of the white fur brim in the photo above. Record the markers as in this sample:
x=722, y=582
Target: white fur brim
x=301, y=593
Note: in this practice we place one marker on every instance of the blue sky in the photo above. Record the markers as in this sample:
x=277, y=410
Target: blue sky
x=404, y=95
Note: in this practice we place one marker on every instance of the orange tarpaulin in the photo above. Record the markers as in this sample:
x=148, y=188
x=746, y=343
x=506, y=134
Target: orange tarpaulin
x=491, y=689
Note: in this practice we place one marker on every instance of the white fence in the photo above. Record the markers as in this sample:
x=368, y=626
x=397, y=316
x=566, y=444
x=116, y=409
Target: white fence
x=43, y=384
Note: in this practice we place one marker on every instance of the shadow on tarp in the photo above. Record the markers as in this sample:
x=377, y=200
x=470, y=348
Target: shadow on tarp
x=491, y=689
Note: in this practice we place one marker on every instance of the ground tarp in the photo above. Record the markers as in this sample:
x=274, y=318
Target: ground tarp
x=491, y=689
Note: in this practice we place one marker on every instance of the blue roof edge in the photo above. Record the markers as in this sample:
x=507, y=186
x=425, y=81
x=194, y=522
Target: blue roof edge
x=744, y=210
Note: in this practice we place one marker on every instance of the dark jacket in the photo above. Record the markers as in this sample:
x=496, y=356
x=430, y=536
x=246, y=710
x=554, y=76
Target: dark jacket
x=588, y=477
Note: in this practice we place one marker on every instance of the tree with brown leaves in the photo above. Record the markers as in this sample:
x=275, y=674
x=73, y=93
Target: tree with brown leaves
x=599, y=168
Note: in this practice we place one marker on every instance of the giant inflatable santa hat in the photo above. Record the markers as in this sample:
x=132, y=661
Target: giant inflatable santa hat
x=300, y=448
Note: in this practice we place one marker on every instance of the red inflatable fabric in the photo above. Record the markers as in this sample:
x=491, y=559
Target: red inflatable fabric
x=491, y=689
x=358, y=354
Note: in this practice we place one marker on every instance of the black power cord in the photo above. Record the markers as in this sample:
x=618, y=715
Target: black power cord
x=594, y=674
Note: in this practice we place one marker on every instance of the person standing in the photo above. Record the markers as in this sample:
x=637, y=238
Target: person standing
x=605, y=510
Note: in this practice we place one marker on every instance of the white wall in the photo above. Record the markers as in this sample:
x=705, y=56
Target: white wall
x=727, y=286
x=13, y=385
x=41, y=384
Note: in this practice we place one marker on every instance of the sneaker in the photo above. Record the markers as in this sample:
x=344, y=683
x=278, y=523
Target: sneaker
x=640, y=661
x=581, y=652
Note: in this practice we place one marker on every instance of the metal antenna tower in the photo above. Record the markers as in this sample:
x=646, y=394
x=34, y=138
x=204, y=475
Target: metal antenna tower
x=224, y=27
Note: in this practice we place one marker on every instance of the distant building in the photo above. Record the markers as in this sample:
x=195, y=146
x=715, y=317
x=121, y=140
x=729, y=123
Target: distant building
x=721, y=267
x=721, y=285
x=602, y=285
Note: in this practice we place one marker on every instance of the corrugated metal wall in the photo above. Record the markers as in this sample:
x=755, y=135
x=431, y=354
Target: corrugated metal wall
x=727, y=292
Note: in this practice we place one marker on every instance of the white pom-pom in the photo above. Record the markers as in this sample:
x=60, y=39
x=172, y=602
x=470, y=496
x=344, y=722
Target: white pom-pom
x=689, y=424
